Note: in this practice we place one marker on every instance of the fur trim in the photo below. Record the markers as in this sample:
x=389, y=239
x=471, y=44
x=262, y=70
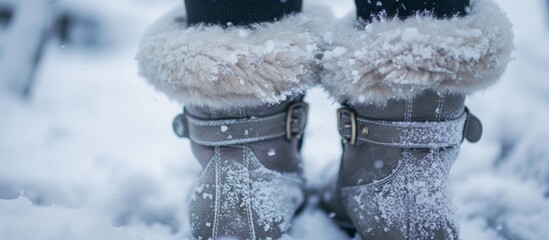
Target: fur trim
x=396, y=59
x=238, y=66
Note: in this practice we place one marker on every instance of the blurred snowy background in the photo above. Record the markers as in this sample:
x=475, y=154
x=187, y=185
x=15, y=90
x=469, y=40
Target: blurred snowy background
x=87, y=151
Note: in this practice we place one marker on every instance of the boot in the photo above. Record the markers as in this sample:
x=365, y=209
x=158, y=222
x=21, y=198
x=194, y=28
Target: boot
x=252, y=182
x=242, y=88
x=394, y=171
x=403, y=88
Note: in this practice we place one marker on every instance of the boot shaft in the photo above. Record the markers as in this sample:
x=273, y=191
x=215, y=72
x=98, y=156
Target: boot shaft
x=428, y=106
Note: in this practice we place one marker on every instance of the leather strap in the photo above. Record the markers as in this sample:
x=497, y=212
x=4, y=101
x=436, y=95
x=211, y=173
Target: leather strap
x=290, y=124
x=355, y=129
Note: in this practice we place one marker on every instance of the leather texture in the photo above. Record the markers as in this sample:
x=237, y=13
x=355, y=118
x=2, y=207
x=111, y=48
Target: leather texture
x=401, y=191
x=248, y=190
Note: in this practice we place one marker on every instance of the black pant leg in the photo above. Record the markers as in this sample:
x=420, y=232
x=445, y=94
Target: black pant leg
x=239, y=12
x=371, y=9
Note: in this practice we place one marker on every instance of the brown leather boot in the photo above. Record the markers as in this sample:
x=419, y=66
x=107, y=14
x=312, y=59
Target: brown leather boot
x=242, y=88
x=403, y=85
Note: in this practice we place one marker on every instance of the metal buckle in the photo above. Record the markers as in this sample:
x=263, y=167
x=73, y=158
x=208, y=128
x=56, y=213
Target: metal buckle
x=351, y=125
x=290, y=119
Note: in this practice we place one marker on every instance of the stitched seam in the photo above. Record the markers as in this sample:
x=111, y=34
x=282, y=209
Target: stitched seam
x=415, y=145
x=204, y=173
x=217, y=157
x=409, y=109
x=384, y=180
x=402, y=124
x=406, y=159
x=400, y=144
x=437, y=151
x=446, y=172
x=214, y=123
x=407, y=123
x=249, y=200
x=236, y=141
x=439, y=106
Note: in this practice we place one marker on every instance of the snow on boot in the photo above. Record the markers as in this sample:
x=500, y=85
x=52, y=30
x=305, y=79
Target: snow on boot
x=252, y=181
x=242, y=88
x=395, y=165
x=403, y=85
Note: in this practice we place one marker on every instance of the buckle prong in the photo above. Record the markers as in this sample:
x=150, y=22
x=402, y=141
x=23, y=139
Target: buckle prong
x=290, y=119
x=352, y=125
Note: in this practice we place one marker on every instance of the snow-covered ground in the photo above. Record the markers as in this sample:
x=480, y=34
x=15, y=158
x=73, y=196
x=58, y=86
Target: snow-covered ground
x=92, y=154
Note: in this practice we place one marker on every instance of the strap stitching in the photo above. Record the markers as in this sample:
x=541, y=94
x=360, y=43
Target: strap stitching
x=406, y=123
x=216, y=123
x=237, y=140
x=400, y=144
x=245, y=155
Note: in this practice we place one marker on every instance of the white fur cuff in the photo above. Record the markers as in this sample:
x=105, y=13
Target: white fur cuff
x=236, y=66
x=395, y=59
